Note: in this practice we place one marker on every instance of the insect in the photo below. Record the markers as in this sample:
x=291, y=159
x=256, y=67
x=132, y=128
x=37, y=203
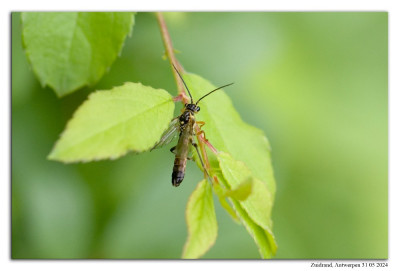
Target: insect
x=183, y=125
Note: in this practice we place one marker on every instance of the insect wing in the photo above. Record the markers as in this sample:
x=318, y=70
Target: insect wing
x=169, y=134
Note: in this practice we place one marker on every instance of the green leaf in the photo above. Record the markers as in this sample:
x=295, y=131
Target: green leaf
x=201, y=222
x=259, y=203
x=110, y=123
x=264, y=240
x=221, y=194
x=242, y=191
x=69, y=50
x=229, y=133
x=255, y=210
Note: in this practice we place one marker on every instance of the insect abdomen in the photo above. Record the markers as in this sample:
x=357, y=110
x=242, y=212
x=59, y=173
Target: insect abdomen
x=182, y=149
x=178, y=172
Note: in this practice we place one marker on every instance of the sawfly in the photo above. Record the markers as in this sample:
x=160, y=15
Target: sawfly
x=183, y=125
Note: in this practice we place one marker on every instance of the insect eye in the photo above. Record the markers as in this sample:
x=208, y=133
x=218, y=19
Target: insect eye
x=198, y=109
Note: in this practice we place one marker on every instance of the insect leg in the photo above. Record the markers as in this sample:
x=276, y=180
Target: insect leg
x=201, y=132
x=203, y=138
x=200, y=123
x=201, y=161
x=173, y=150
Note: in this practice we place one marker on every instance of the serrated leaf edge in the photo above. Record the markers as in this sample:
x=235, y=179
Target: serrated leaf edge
x=52, y=156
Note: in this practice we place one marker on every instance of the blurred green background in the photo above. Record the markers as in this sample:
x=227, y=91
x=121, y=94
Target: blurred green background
x=316, y=83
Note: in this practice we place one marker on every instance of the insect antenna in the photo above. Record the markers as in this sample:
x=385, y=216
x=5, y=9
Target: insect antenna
x=212, y=92
x=191, y=99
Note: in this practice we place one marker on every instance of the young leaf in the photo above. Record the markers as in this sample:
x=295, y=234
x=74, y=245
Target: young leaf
x=227, y=131
x=259, y=203
x=242, y=191
x=110, y=123
x=69, y=50
x=255, y=210
x=221, y=194
x=264, y=239
x=201, y=222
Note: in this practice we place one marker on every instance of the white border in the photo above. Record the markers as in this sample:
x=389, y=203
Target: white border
x=203, y=5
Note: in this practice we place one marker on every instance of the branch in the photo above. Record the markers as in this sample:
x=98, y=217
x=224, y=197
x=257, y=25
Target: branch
x=169, y=49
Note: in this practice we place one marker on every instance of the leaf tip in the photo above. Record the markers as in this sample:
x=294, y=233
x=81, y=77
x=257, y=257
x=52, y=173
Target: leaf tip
x=52, y=156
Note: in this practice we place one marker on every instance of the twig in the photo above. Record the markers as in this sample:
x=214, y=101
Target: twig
x=181, y=89
x=171, y=56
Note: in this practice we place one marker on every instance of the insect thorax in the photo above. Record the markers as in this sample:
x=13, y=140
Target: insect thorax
x=184, y=118
x=190, y=110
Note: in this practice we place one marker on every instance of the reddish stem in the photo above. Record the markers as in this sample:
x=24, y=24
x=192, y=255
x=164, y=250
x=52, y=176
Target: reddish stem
x=171, y=56
x=181, y=88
